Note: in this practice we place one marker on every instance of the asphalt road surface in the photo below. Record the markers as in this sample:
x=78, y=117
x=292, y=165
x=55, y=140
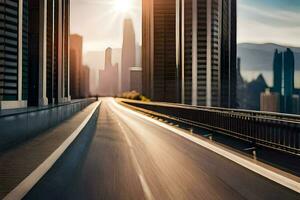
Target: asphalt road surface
x=120, y=155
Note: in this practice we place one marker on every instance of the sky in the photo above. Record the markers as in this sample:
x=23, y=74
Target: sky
x=264, y=21
x=259, y=21
x=100, y=22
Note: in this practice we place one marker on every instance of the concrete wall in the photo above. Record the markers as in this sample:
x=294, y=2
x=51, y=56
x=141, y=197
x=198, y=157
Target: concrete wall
x=17, y=126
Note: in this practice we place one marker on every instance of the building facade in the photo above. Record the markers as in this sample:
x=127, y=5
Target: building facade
x=270, y=102
x=49, y=50
x=189, y=51
x=85, y=82
x=76, y=43
x=13, y=54
x=209, y=52
x=284, y=78
x=128, y=54
x=160, y=39
x=34, y=57
x=109, y=76
x=136, y=79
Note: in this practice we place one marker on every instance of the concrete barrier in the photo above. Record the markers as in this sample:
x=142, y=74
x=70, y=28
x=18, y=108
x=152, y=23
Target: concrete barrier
x=19, y=125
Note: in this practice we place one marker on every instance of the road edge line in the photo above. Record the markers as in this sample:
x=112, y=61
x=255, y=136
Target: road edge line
x=271, y=175
x=32, y=179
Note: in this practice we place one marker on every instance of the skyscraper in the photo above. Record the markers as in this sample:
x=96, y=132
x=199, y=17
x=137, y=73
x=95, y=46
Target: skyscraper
x=108, y=85
x=36, y=34
x=48, y=52
x=75, y=65
x=289, y=72
x=284, y=72
x=37, y=53
x=160, y=41
x=13, y=54
x=277, y=72
x=85, y=82
x=209, y=52
x=128, y=54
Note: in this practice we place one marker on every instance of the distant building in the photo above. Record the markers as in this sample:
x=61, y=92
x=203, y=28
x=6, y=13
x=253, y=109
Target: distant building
x=128, y=54
x=76, y=67
x=160, y=51
x=270, y=102
x=109, y=76
x=136, y=79
x=284, y=72
x=295, y=104
x=94, y=81
x=85, y=82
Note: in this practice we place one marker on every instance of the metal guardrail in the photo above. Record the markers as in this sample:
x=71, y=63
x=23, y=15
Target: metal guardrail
x=277, y=131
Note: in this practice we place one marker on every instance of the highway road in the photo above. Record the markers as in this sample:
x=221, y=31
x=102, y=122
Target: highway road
x=121, y=155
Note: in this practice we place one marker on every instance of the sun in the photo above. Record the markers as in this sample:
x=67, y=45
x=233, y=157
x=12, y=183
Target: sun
x=122, y=5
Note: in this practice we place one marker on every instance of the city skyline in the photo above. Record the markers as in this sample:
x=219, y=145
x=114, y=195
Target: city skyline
x=104, y=27
x=171, y=118
x=260, y=15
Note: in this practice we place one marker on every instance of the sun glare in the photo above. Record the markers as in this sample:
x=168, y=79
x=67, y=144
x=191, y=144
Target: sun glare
x=122, y=5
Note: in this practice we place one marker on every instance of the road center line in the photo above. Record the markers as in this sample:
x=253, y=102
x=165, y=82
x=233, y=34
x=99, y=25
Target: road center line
x=139, y=171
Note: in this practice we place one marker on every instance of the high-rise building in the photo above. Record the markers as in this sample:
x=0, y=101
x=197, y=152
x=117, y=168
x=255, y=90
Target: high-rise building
x=13, y=54
x=34, y=52
x=277, y=72
x=108, y=77
x=160, y=60
x=270, y=101
x=76, y=42
x=48, y=73
x=85, y=82
x=209, y=52
x=136, y=79
x=289, y=72
x=283, y=79
x=128, y=54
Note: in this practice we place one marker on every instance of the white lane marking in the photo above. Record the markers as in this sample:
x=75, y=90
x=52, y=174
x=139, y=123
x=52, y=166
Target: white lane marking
x=137, y=166
x=278, y=178
x=30, y=181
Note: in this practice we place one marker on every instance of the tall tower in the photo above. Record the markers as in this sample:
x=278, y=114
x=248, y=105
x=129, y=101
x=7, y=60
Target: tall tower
x=48, y=52
x=228, y=87
x=109, y=79
x=284, y=78
x=209, y=52
x=277, y=72
x=76, y=72
x=128, y=54
x=14, y=54
x=289, y=72
x=108, y=57
x=160, y=41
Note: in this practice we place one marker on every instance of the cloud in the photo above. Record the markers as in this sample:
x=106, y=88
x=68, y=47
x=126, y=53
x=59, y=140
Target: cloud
x=261, y=24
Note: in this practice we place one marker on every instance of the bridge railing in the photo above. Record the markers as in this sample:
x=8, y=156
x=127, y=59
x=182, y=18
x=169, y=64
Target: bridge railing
x=278, y=131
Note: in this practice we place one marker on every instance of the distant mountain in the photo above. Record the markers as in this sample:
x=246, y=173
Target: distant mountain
x=260, y=56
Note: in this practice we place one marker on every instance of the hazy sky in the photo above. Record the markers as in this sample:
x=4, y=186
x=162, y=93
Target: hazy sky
x=260, y=21
x=100, y=22
x=276, y=21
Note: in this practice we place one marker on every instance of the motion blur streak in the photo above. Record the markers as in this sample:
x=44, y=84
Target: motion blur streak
x=132, y=158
